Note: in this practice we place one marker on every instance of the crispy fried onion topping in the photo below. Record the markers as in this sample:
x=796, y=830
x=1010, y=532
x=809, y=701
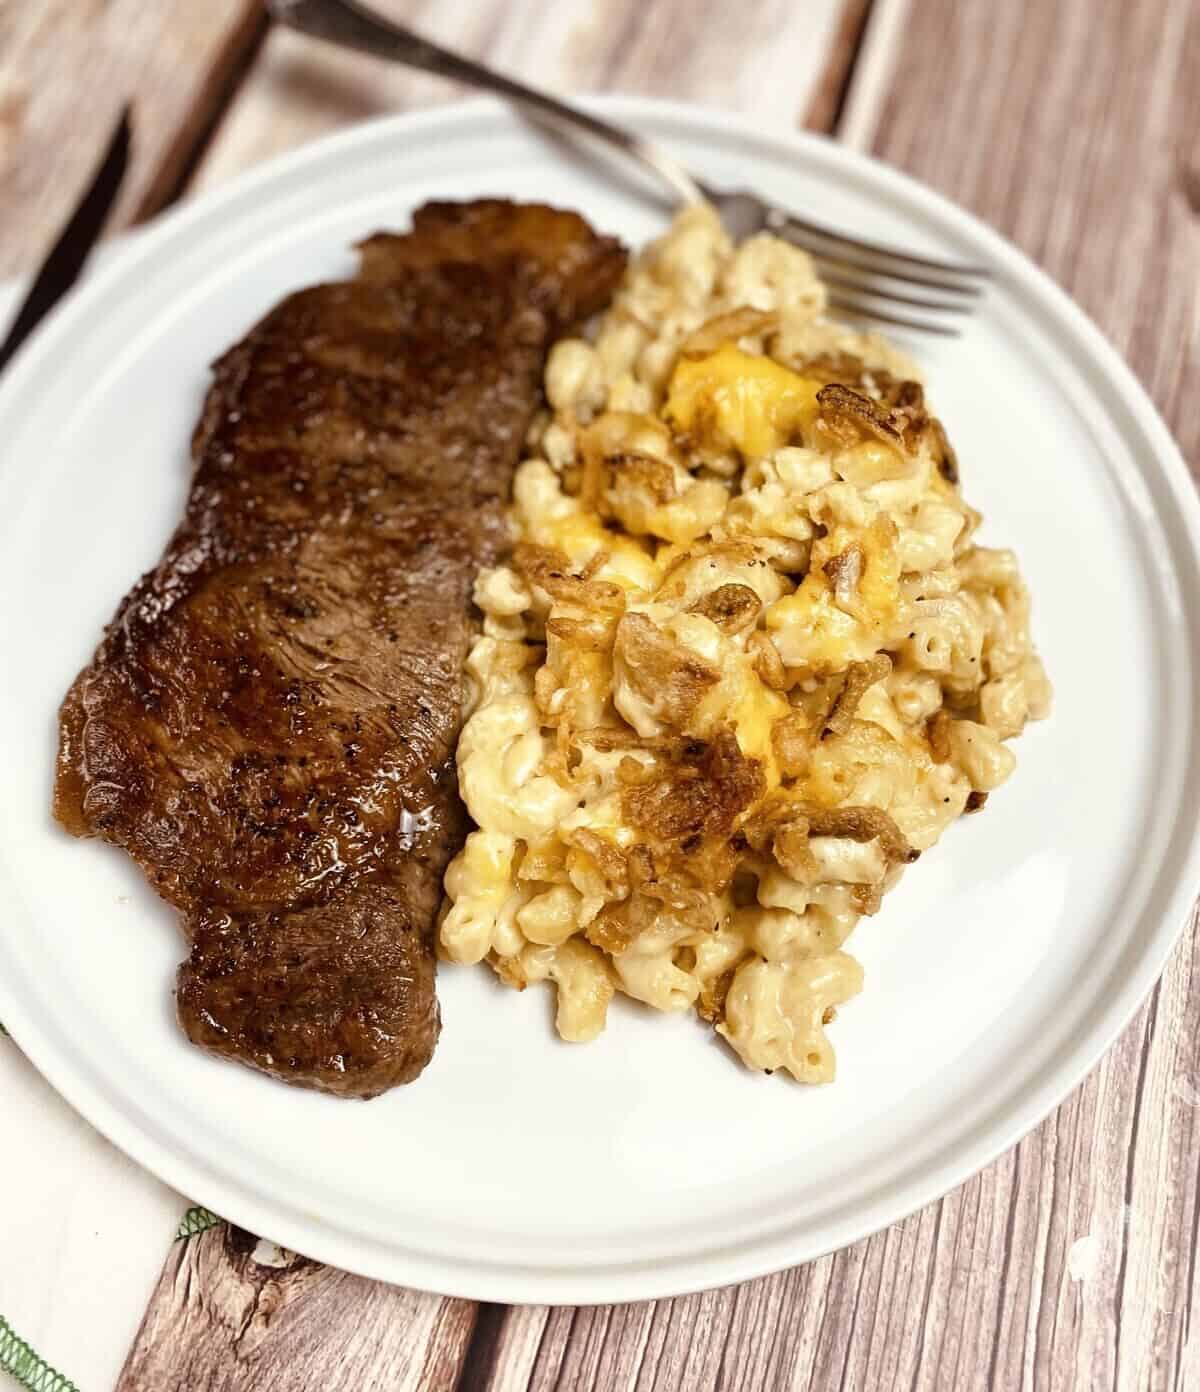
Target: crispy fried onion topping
x=898, y=408
x=784, y=825
x=667, y=677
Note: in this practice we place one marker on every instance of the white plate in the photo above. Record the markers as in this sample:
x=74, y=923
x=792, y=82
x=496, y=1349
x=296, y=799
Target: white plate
x=648, y=1163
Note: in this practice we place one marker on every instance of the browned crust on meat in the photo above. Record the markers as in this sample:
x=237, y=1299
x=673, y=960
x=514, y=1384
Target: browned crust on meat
x=268, y=725
x=568, y=272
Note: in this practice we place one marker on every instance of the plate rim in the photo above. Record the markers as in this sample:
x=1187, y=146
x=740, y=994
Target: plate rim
x=626, y=1278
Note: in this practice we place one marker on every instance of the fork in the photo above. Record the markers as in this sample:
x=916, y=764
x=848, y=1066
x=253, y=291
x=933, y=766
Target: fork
x=866, y=280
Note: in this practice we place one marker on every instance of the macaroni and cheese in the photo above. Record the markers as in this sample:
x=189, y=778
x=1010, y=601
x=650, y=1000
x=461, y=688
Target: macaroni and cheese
x=747, y=661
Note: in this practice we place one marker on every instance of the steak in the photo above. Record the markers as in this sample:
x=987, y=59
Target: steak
x=268, y=724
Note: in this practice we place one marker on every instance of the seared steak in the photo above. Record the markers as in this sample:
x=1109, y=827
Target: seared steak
x=268, y=725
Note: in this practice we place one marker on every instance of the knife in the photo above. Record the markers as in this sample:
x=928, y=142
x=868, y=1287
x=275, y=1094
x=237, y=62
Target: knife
x=61, y=268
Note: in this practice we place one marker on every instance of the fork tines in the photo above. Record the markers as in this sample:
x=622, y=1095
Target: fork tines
x=871, y=281
x=922, y=270
x=874, y=297
x=873, y=311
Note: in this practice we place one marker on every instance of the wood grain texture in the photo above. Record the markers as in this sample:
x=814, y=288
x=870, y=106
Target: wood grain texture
x=66, y=67
x=830, y=92
x=1077, y=134
x=670, y=48
x=231, y=1314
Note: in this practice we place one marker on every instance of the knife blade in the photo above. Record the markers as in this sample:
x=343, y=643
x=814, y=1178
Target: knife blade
x=61, y=268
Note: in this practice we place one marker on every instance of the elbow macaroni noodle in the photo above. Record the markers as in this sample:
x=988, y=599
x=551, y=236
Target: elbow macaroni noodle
x=746, y=663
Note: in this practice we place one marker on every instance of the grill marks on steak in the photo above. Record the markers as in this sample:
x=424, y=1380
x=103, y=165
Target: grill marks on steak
x=268, y=726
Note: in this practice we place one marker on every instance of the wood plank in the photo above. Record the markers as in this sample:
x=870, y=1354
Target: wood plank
x=301, y=89
x=66, y=66
x=873, y=72
x=1080, y=138
x=232, y=1314
x=829, y=95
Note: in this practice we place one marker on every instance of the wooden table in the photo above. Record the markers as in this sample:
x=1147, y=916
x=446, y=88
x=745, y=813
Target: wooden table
x=1072, y=125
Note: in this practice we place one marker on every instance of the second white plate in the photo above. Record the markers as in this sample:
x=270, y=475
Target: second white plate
x=648, y=1163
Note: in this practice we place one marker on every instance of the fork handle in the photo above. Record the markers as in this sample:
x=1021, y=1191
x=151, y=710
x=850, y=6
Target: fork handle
x=354, y=26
